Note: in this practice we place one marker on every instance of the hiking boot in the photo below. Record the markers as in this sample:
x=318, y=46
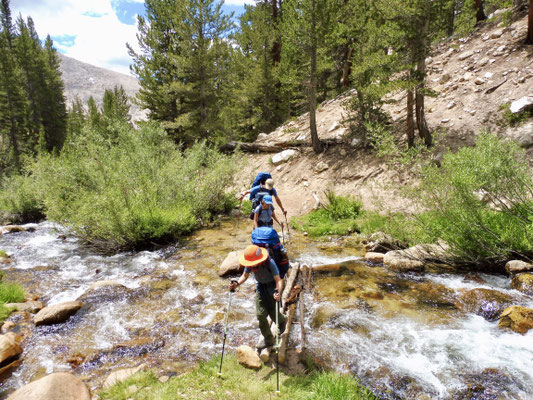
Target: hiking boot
x=263, y=344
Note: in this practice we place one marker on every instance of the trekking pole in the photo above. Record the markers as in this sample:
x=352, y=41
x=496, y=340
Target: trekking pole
x=283, y=235
x=226, y=329
x=277, y=345
x=288, y=229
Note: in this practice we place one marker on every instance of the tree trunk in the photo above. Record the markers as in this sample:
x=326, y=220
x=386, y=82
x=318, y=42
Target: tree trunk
x=480, y=14
x=410, y=120
x=317, y=144
x=347, y=67
x=276, y=47
x=421, y=123
x=529, y=39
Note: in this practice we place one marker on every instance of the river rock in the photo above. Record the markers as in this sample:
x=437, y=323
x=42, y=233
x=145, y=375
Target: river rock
x=283, y=156
x=104, y=291
x=121, y=375
x=374, y=257
x=57, y=313
x=5, y=260
x=57, y=386
x=12, y=229
x=523, y=104
x=9, y=346
x=28, y=306
x=484, y=302
x=523, y=282
x=248, y=358
x=518, y=319
x=398, y=261
x=231, y=266
x=517, y=266
x=380, y=242
x=7, y=326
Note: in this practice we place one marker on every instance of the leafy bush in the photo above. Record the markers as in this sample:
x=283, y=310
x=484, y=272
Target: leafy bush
x=480, y=202
x=19, y=196
x=133, y=188
x=338, y=217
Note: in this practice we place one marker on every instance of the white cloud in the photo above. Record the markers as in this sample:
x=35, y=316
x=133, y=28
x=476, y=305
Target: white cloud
x=100, y=38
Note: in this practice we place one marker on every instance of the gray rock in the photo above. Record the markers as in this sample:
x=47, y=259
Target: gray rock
x=321, y=167
x=398, y=262
x=57, y=313
x=496, y=34
x=479, y=81
x=445, y=78
x=522, y=104
x=374, y=257
x=283, y=156
x=28, y=306
x=465, y=55
x=517, y=266
x=230, y=266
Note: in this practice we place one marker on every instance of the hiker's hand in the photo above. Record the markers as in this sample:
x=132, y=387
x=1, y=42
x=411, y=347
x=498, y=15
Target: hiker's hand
x=241, y=196
x=282, y=225
x=284, y=212
x=233, y=285
x=276, y=296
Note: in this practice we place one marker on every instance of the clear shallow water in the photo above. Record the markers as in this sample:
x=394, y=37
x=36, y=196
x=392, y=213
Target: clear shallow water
x=370, y=322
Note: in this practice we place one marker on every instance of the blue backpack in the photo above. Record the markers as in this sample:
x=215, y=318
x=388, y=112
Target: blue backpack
x=261, y=178
x=268, y=238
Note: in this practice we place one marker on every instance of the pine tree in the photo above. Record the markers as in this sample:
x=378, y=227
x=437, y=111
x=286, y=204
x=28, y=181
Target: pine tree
x=529, y=39
x=183, y=65
x=306, y=27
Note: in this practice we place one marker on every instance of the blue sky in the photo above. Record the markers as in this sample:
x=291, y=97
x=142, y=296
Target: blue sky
x=94, y=31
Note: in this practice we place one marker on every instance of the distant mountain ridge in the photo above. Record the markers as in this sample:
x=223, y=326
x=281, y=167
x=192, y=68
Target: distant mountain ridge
x=86, y=80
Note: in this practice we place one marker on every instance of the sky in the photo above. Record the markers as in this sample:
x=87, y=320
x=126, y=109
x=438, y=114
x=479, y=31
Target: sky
x=93, y=31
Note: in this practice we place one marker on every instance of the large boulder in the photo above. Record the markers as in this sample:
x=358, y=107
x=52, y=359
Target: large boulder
x=9, y=347
x=484, y=302
x=374, y=257
x=523, y=282
x=247, y=357
x=522, y=104
x=57, y=313
x=230, y=266
x=517, y=266
x=121, y=375
x=57, y=386
x=399, y=261
x=518, y=319
x=380, y=242
x=12, y=229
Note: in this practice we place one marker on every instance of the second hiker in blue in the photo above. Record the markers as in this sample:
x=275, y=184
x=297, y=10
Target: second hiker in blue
x=264, y=214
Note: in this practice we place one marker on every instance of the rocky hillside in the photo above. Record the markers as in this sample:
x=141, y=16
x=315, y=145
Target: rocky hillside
x=85, y=80
x=471, y=78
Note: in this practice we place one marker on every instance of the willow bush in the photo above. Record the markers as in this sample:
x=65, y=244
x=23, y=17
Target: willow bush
x=480, y=202
x=133, y=187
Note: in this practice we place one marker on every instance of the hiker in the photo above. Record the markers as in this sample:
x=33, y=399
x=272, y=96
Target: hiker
x=264, y=214
x=257, y=192
x=256, y=260
x=268, y=238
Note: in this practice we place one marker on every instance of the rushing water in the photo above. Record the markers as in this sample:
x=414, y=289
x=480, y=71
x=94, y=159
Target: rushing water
x=399, y=333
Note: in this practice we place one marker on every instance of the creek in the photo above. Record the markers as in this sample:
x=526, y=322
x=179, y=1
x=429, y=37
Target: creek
x=400, y=334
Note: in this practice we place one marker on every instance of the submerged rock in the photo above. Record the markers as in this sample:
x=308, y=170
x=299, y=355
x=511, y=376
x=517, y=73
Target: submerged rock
x=518, y=319
x=121, y=375
x=28, y=306
x=523, y=282
x=57, y=386
x=248, y=358
x=484, y=302
x=230, y=266
x=104, y=291
x=57, y=313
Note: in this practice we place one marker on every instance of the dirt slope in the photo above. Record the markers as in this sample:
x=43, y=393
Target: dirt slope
x=471, y=77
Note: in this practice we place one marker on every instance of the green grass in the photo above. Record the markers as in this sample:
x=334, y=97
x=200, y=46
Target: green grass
x=338, y=217
x=11, y=293
x=3, y=253
x=238, y=383
x=513, y=119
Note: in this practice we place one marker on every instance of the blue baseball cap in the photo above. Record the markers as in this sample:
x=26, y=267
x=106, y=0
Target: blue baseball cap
x=267, y=199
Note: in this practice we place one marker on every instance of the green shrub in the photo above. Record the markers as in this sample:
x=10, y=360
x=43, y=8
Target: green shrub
x=480, y=202
x=338, y=217
x=134, y=188
x=20, y=196
x=513, y=119
x=11, y=293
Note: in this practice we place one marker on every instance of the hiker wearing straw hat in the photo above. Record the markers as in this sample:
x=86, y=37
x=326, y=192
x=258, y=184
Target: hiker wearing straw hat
x=256, y=260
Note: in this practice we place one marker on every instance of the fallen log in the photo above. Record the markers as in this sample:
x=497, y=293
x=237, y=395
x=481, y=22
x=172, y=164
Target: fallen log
x=285, y=335
x=253, y=147
x=293, y=274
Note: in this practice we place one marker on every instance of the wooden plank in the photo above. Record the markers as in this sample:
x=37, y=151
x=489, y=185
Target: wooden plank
x=293, y=274
x=285, y=335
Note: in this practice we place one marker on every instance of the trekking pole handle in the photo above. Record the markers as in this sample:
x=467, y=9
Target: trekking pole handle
x=236, y=282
